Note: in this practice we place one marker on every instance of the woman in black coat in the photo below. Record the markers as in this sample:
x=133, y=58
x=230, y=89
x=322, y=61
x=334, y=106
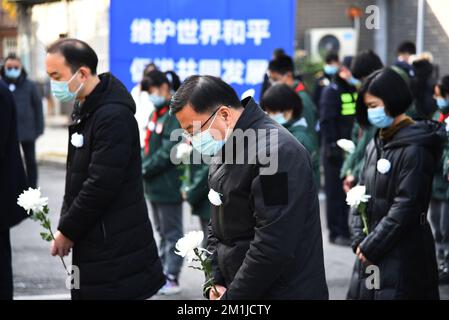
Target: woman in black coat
x=397, y=174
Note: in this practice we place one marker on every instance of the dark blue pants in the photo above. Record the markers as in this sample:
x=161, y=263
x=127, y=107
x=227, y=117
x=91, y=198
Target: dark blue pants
x=336, y=208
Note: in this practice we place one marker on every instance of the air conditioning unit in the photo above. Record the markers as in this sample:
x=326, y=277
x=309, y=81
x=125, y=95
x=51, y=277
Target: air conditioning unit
x=320, y=41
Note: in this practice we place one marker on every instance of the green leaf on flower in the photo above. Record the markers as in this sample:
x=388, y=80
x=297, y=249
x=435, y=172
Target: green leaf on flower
x=46, y=236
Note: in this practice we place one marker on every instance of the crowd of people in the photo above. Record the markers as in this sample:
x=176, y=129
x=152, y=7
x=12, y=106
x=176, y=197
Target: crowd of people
x=265, y=234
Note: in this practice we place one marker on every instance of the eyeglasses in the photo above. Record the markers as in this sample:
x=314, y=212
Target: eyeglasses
x=189, y=136
x=13, y=68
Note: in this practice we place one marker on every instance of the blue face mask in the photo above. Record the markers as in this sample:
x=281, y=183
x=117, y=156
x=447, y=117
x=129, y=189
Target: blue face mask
x=205, y=143
x=13, y=73
x=378, y=118
x=442, y=104
x=157, y=101
x=279, y=118
x=330, y=69
x=61, y=91
x=354, y=82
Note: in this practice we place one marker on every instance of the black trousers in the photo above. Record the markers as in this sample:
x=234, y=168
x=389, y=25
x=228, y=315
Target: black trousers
x=29, y=152
x=336, y=208
x=6, y=282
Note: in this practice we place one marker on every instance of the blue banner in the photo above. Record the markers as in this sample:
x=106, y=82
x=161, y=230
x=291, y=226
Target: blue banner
x=231, y=39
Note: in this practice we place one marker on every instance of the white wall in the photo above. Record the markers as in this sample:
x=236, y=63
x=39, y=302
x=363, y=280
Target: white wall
x=87, y=20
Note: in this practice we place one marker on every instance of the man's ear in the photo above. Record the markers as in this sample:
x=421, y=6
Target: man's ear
x=84, y=72
x=226, y=114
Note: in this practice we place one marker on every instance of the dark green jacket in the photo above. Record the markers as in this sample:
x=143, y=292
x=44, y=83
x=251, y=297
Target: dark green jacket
x=161, y=177
x=297, y=127
x=309, y=111
x=354, y=162
x=198, y=190
x=440, y=186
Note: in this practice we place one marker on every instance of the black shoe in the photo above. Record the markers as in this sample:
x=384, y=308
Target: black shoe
x=341, y=241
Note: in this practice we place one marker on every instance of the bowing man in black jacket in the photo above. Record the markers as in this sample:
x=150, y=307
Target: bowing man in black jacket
x=265, y=232
x=104, y=216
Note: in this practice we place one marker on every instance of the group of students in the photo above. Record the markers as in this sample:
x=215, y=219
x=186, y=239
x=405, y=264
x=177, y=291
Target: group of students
x=387, y=113
x=399, y=114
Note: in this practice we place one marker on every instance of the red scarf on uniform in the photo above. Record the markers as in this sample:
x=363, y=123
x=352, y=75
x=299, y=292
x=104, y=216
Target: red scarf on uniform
x=443, y=117
x=156, y=115
x=299, y=87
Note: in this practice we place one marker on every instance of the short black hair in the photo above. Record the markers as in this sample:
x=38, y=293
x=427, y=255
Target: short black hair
x=76, y=53
x=280, y=98
x=365, y=63
x=282, y=65
x=12, y=56
x=407, y=47
x=278, y=52
x=148, y=68
x=156, y=78
x=204, y=94
x=332, y=57
x=444, y=86
x=389, y=86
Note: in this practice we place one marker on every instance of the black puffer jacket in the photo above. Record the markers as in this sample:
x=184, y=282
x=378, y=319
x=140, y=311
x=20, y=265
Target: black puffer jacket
x=12, y=173
x=104, y=211
x=400, y=241
x=266, y=236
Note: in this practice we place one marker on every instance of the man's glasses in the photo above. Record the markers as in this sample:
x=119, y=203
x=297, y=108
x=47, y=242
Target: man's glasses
x=189, y=135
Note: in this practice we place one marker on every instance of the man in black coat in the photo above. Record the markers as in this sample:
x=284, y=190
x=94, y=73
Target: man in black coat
x=12, y=183
x=265, y=232
x=30, y=115
x=104, y=216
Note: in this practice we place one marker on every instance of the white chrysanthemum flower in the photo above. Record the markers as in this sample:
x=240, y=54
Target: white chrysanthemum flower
x=186, y=245
x=357, y=195
x=346, y=145
x=32, y=200
x=183, y=151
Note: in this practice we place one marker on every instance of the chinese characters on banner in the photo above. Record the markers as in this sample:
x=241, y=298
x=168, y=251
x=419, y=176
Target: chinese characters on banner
x=230, y=39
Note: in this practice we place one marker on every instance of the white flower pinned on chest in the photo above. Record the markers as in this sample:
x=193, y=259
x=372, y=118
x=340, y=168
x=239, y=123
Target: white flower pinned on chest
x=383, y=166
x=214, y=198
x=77, y=140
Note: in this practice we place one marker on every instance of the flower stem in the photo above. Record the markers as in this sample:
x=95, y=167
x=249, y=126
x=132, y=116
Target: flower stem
x=208, y=275
x=362, y=210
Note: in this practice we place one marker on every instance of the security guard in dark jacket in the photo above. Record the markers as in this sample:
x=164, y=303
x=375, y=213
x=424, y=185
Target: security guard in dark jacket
x=337, y=114
x=265, y=232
